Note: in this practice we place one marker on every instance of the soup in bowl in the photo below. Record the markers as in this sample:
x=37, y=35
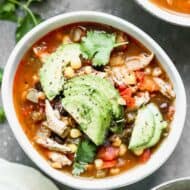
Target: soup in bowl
x=93, y=100
x=173, y=11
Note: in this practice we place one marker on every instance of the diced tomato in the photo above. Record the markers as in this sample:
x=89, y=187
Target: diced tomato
x=108, y=153
x=139, y=75
x=127, y=96
x=109, y=164
x=71, y=156
x=170, y=113
x=145, y=156
x=126, y=92
x=121, y=87
x=130, y=101
x=148, y=84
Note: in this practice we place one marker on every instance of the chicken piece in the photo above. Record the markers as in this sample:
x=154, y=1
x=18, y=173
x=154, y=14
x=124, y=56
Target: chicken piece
x=59, y=160
x=134, y=63
x=165, y=88
x=53, y=121
x=43, y=131
x=141, y=99
x=52, y=145
x=120, y=75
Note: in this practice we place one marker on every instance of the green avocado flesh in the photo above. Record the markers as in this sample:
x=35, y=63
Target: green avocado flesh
x=51, y=73
x=147, y=129
x=87, y=100
x=103, y=86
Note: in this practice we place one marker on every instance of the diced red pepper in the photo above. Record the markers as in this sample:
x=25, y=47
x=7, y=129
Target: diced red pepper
x=121, y=87
x=130, y=101
x=145, y=156
x=148, y=84
x=127, y=96
x=109, y=164
x=108, y=153
x=126, y=92
x=139, y=75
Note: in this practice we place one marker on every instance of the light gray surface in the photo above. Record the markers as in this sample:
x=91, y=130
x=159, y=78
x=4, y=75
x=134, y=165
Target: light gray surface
x=175, y=40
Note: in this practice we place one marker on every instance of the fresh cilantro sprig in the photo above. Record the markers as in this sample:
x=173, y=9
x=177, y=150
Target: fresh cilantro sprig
x=85, y=154
x=97, y=46
x=20, y=12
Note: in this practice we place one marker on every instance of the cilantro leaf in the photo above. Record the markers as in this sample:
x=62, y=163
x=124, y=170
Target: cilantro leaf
x=1, y=75
x=78, y=168
x=86, y=152
x=25, y=24
x=8, y=11
x=117, y=126
x=97, y=45
x=2, y=115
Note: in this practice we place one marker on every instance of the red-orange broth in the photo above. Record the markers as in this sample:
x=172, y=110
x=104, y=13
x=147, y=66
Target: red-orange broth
x=26, y=77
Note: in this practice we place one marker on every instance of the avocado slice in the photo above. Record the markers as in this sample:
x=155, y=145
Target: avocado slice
x=104, y=87
x=84, y=107
x=51, y=73
x=143, y=129
x=159, y=126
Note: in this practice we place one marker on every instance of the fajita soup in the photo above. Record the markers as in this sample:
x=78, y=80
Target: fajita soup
x=181, y=6
x=92, y=100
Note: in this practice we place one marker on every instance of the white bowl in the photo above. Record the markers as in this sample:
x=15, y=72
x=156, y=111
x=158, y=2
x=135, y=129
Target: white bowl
x=126, y=178
x=164, y=14
x=176, y=184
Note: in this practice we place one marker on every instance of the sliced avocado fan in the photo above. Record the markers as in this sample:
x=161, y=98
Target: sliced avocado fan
x=148, y=128
x=51, y=73
x=92, y=102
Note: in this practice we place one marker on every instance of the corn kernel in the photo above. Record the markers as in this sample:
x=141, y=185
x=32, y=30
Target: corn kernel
x=73, y=147
x=114, y=171
x=138, y=152
x=56, y=165
x=69, y=72
x=75, y=133
x=88, y=69
x=35, y=78
x=122, y=149
x=76, y=65
x=116, y=142
x=98, y=163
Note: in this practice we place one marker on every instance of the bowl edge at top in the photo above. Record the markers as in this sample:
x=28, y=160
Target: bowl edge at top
x=126, y=178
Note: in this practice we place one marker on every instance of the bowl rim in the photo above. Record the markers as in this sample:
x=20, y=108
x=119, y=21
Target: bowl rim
x=125, y=178
x=171, y=182
x=172, y=17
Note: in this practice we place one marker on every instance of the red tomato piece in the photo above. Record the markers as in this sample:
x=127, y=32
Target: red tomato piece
x=109, y=164
x=121, y=87
x=145, y=156
x=108, y=153
x=148, y=84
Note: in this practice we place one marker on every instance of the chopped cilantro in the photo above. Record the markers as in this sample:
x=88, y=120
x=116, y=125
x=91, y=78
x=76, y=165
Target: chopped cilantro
x=85, y=154
x=97, y=45
x=2, y=115
x=78, y=168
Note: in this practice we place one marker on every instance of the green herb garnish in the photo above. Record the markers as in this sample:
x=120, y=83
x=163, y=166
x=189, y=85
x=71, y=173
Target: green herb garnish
x=78, y=168
x=97, y=45
x=2, y=115
x=85, y=154
x=1, y=75
x=20, y=12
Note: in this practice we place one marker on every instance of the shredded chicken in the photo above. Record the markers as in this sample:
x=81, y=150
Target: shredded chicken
x=134, y=63
x=53, y=121
x=52, y=145
x=59, y=160
x=165, y=88
x=120, y=75
x=141, y=99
